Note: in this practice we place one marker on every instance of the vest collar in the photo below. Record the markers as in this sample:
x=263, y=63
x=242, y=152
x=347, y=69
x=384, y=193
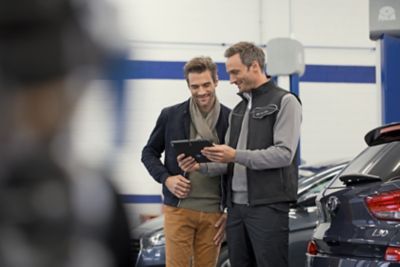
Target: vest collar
x=259, y=90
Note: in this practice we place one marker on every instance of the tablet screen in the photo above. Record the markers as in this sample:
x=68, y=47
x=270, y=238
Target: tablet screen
x=191, y=148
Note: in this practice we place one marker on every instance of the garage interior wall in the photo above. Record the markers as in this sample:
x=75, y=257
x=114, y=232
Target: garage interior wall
x=337, y=110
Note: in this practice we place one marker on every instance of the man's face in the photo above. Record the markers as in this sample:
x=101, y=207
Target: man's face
x=240, y=74
x=202, y=88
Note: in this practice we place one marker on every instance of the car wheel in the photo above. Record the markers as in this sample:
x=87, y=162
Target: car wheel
x=223, y=259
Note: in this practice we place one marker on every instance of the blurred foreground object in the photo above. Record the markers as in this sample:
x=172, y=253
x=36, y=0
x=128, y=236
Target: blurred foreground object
x=44, y=40
x=53, y=211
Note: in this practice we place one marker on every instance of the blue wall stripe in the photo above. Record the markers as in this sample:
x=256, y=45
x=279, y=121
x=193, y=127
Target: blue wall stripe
x=339, y=74
x=140, y=199
x=138, y=69
x=141, y=69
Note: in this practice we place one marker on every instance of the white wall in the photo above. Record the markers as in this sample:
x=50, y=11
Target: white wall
x=189, y=21
x=335, y=115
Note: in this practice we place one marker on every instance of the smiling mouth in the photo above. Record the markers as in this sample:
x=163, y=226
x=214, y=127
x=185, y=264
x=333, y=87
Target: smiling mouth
x=203, y=96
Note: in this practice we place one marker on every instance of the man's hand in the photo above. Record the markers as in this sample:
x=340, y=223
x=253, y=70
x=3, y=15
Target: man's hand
x=219, y=153
x=220, y=224
x=178, y=185
x=187, y=164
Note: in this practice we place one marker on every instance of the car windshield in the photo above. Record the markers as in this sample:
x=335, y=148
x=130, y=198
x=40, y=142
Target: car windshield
x=381, y=160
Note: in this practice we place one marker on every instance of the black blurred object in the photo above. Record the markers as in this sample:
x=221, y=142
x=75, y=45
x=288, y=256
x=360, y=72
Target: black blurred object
x=53, y=211
x=35, y=212
x=50, y=216
x=42, y=40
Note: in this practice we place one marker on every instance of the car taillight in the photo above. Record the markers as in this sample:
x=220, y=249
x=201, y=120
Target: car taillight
x=312, y=248
x=385, y=206
x=392, y=254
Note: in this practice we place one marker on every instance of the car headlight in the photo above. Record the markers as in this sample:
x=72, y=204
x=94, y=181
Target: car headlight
x=154, y=239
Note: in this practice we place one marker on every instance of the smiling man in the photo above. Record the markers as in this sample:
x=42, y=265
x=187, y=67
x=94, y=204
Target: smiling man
x=194, y=222
x=259, y=158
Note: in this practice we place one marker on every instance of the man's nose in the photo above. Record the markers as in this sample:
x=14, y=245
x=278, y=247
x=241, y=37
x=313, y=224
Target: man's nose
x=232, y=79
x=202, y=89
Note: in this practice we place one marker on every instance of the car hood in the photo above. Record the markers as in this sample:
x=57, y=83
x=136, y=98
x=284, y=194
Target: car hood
x=148, y=227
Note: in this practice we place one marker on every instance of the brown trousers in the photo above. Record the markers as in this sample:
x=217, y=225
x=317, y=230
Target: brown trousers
x=189, y=237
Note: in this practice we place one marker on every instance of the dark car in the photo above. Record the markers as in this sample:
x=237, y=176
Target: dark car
x=359, y=211
x=149, y=243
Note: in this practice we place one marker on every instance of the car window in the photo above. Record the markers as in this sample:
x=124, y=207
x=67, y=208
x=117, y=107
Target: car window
x=331, y=172
x=382, y=160
x=317, y=187
x=389, y=166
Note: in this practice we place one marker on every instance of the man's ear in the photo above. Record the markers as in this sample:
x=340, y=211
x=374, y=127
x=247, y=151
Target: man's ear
x=254, y=65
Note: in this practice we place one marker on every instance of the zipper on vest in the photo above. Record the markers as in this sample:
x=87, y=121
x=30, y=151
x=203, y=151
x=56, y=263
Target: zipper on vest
x=221, y=204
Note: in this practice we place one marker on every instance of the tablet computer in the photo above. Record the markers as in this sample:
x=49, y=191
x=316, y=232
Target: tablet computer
x=191, y=148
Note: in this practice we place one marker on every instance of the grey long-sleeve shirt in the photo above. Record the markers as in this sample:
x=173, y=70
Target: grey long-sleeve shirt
x=286, y=137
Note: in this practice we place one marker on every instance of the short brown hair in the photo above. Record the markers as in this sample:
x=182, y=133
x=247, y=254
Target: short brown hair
x=248, y=52
x=199, y=65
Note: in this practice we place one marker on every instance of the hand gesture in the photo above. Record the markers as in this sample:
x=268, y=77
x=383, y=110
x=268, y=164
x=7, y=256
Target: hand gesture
x=219, y=153
x=220, y=224
x=178, y=185
x=187, y=164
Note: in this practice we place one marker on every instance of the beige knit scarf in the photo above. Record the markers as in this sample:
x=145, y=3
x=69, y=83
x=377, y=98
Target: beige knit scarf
x=203, y=125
